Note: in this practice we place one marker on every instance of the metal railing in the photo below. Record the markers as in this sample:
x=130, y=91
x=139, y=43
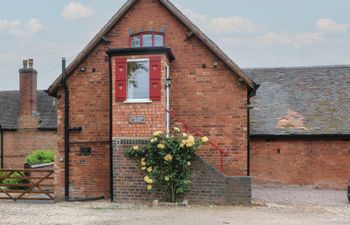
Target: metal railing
x=196, y=132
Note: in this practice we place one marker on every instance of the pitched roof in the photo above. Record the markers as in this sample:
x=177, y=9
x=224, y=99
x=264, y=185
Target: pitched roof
x=304, y=100
x=179, y=15
x=9, y=110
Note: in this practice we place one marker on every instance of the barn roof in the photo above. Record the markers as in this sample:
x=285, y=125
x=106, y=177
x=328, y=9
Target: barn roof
x=304, y=100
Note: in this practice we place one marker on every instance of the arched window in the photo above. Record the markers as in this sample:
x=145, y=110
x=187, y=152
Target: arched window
x=147, y=39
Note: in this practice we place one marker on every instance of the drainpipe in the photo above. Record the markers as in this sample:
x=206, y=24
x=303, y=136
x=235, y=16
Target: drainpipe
x=66, y=130
x=2, y=147
x=111, y=178
x=248, y=135
x=167, y=87
x=251, y=94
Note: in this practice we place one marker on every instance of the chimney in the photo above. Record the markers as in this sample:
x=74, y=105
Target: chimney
x=28, y=88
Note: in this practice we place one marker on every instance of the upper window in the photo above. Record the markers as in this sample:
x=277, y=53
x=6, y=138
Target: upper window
x=147, y=39
x=138, y=80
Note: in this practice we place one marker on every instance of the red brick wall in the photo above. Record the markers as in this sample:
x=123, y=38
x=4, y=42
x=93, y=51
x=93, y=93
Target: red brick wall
x=154, y=112
x=20, y=143
x=320, y=163
x=208, y=185
x=210, y=99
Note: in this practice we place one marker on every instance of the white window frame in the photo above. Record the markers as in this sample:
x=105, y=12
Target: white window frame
x=143, y=100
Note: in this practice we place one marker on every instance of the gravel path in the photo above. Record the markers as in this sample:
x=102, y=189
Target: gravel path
x=104, y=213
x=278, y=205
x=299, y=195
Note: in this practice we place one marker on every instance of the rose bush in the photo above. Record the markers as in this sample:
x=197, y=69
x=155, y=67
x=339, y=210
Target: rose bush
x=166, y=159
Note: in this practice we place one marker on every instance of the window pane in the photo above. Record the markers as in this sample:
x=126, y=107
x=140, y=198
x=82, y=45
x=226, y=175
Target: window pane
x=136, y=41
x=138, y=80
x=158, y=40
x=147, y=40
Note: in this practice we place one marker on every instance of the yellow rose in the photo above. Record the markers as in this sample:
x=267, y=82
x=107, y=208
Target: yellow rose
x=168, y=158
x=189, y=144
x=143, y=159
x=149, y=169
x=166, y=178
x=135, y=148
x=188, y=163
x=191, y=138
x=143, y=163
x=182, y=145
x=149, y=187
x=184, y=135
x=157, y=133
x=154, y=140
x=204, y=139
x=143, y=168
x=176, y=129
x=148, y=180
x=160, y=146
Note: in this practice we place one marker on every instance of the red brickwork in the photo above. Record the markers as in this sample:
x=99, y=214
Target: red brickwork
x=212, y=99
x=27, y=137
x=20, y=143
x=320, y=163
x=208, y=185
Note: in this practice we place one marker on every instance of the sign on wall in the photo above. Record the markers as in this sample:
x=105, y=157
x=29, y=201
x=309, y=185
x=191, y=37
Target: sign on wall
x=137, y=119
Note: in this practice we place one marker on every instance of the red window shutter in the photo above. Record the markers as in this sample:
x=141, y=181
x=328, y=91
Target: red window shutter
x=155, y=78
x=120, y=79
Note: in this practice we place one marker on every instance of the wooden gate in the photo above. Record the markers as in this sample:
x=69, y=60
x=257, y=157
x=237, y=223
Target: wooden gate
x=26, y=184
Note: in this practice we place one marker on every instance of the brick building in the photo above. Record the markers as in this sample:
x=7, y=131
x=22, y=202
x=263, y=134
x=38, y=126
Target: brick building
x=27, y=120
x=300, y=126
x=115, y=94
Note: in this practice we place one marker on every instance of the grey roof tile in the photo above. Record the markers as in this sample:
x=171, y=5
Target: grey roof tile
x=304, y=100
x=9, y=110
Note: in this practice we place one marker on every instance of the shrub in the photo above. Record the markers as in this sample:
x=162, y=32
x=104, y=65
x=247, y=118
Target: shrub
x=40, y=157
x=166, y=160
x=13, y=179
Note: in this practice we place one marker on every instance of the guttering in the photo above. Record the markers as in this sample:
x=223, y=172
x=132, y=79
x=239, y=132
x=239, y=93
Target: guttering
x=1, y=147
x=66, y=130
x=111, y=178
x=301, y=136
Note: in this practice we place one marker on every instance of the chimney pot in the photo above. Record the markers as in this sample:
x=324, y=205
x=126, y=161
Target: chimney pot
x=30, y=63
x=25, y=64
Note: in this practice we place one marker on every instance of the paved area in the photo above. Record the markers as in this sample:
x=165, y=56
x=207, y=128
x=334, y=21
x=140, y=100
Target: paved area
x=273, y=205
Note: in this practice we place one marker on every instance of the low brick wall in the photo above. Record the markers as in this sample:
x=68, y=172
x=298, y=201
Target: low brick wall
x=208, y=185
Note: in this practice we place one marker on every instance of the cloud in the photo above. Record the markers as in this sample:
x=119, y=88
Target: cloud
x=221, y=25
x=331, y=25
x=274, y=39
x=76, y=10
x=232, y=24
x=22, y=30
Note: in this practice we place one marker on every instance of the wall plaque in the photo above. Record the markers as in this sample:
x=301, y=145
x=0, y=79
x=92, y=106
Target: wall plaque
x=137, y=119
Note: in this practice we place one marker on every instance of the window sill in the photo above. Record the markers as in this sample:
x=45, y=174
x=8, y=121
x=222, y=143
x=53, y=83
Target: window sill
x=136, y=101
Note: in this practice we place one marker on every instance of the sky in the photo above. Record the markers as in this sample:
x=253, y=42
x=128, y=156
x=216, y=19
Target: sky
x=254, y=33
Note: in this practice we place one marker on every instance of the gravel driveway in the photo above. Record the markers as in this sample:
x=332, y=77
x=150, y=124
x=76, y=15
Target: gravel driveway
x=277, y=205
x=299, y=195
